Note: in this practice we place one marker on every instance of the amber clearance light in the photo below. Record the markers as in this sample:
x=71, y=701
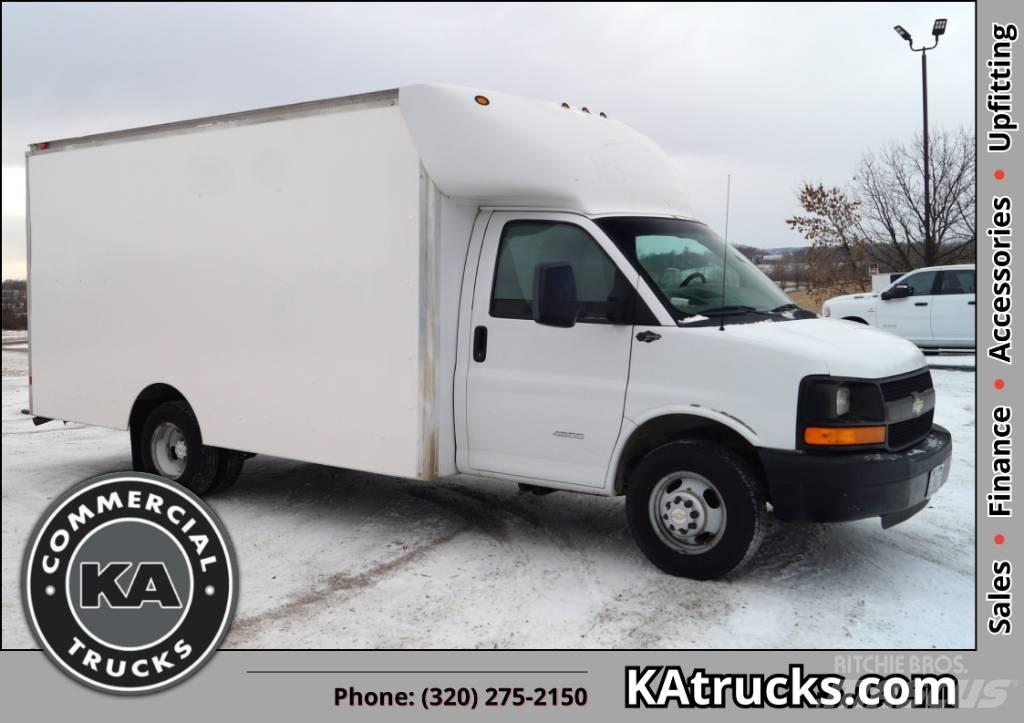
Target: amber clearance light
x=482, y=100
x=844, y=436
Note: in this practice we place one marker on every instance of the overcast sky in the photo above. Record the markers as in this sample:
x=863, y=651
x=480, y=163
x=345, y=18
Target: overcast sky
x=773, y=94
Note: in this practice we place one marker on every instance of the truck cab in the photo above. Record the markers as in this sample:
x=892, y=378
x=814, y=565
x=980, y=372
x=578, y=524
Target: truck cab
x=608, y=356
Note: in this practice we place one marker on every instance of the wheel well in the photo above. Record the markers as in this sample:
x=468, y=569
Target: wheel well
x=148, y=399
x=656, y=432
x=855, y=318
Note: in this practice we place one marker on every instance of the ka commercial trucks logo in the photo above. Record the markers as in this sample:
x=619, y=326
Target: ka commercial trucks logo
x=129, y=583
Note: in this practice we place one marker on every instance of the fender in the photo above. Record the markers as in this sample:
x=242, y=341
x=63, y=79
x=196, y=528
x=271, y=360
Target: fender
x=157, y=392
x=630, y=425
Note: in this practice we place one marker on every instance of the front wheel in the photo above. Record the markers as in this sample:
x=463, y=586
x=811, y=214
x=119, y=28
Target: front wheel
x=696, y=509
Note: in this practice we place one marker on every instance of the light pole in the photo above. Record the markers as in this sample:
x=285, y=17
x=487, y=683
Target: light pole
x=938, y=29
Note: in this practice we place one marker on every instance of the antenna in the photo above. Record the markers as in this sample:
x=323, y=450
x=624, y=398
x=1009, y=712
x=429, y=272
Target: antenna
x=725, y=250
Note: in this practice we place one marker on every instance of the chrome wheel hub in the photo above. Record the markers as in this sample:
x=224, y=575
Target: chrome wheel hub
x=169, y=451
x=687, y=512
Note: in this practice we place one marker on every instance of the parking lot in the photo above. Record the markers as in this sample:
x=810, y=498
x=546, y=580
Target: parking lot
x=337, y=559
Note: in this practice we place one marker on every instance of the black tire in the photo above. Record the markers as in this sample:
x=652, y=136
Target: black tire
x=737, y=485
x=228, y=470
x=201, y=462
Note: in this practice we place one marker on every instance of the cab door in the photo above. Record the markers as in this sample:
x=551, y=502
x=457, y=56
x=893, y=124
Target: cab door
x=910, y=316
x=953, y=308
x=546, y=402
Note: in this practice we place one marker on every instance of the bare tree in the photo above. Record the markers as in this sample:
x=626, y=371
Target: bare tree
x=837, y=258
x=891, y=190
x=881, y=219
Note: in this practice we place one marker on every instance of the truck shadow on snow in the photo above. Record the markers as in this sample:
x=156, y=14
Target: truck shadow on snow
x=585, y=528
x=494, y=510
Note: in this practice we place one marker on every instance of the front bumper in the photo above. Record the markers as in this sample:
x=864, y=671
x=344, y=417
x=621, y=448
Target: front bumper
x=835, y=487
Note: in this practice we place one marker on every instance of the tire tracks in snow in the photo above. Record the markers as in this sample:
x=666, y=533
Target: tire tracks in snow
x=790, y=552
x=247, y=629
x=469, y=511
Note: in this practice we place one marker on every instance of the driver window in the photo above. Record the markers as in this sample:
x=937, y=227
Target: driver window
x=920, y=284
x=524, y=244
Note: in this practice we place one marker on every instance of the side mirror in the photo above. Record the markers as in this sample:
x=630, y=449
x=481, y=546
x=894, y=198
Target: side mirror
x=554, y=295
x=899, y=291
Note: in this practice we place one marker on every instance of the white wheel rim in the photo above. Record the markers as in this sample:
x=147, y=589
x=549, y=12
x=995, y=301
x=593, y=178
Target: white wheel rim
x=169, y=450
x=687, y=512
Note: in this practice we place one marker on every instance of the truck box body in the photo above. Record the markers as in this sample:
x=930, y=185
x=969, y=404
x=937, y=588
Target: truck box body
x=274, y=271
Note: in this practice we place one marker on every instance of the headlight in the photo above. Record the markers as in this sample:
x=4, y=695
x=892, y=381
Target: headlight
x=840, y=412
x=826, y=400
x=842, y=401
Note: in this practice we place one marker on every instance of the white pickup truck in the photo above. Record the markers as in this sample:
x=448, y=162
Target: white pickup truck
x=932, y=307
x=436, y=282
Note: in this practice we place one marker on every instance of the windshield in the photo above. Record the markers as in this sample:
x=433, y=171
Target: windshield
x=682, y=261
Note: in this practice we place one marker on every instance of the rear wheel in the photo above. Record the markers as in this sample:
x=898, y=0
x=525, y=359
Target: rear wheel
x=696, y=509
x=228, y=470
x=171, y=446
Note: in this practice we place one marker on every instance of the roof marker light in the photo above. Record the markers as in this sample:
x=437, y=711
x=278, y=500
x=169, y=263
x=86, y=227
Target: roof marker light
x=602, y=114
x=585, y=109
x=482, y=100
x=566, y=105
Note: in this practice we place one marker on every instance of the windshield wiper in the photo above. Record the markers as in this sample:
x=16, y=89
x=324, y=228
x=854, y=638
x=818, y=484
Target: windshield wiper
x=734, y=309
x=795, y=311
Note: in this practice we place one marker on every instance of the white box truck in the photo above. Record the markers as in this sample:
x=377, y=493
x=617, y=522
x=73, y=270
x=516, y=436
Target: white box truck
x=434, y=282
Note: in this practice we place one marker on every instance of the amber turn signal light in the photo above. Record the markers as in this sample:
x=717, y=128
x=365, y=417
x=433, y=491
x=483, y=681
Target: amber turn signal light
x=844, y=436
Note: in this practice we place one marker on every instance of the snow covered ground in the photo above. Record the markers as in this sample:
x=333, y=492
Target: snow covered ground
x=338, y=559
x=955, y=360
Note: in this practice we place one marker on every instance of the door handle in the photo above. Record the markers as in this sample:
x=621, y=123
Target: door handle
x=970, y=303
x=920, y=303
x=480, y=343
x=648, y=336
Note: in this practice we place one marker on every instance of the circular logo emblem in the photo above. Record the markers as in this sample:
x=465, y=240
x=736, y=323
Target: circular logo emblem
x=129, y=583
